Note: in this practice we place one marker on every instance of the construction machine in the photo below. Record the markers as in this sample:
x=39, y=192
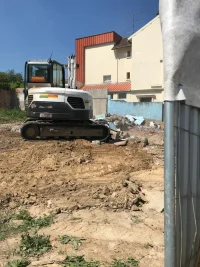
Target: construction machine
x=54, y=111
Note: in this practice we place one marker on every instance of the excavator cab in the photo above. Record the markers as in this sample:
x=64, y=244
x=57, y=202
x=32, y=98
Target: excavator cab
x=41, y=73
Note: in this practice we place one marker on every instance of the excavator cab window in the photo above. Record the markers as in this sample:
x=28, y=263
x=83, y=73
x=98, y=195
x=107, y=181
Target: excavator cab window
x=38, y=73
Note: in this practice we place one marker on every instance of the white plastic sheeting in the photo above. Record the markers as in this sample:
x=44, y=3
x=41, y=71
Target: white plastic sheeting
x=180, y=22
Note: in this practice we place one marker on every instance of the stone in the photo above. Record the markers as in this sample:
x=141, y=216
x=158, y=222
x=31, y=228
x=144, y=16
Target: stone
x=114, y=135
x=142, y=198
x=49, y=204
x=145, y=142
x=152, y=124
x=106, y=191
x=81, y=160
x=121, y=143
x=96, y=142
x=133, y=188
x=102, y=196
x=13, y=205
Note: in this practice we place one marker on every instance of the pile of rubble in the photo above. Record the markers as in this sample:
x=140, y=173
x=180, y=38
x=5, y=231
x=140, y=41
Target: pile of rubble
x=129, y=196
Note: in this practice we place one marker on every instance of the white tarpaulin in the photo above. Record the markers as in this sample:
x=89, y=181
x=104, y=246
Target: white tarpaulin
x=180, y=22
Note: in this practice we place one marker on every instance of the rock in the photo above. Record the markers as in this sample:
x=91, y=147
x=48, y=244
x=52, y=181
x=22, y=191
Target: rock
x=142, y=198
x=145, y=142
x=125, y=183
x=121, y=143
x=96, y=142
x=49, y=204
x=81, y=160
x=106, y=191
x=15, y=129
x=102, y=196
x=114, y=135
x=152, y=124
x=133, y=188
x=32, y=200
x=114, y=194
x=13, y=205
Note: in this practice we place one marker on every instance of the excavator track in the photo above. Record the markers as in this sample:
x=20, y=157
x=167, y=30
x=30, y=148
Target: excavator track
x=89, y=130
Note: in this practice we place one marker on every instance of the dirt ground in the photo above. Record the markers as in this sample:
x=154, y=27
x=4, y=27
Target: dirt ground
x=111, y=196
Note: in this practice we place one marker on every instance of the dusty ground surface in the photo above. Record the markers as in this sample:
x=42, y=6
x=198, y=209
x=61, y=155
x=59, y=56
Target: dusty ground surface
x=110, y=196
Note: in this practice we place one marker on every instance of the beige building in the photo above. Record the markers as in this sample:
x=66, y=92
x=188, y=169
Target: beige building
x=147, y=64
x=130, y=68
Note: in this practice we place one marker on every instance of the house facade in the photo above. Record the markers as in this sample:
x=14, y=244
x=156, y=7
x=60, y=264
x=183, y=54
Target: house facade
x=130, y=68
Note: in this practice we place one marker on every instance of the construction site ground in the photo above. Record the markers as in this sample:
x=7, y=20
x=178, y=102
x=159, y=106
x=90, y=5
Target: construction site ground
x=111, y=196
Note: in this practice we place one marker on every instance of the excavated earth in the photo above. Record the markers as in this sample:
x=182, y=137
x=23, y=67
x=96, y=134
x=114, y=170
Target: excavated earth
x=116, y=192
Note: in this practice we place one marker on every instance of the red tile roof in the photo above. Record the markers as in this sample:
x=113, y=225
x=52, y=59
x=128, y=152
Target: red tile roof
x=112, y=87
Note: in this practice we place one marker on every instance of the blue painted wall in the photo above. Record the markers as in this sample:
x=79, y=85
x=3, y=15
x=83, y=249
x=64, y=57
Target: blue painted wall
x=147, y=110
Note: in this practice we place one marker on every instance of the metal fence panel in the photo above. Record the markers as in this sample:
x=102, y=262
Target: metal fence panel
x=187, y=137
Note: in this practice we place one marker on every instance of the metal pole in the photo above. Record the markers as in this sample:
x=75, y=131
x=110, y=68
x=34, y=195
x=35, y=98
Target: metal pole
x=169, y=177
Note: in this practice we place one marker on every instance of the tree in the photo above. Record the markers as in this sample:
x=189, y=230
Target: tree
x=10, y=79
x=4, y=81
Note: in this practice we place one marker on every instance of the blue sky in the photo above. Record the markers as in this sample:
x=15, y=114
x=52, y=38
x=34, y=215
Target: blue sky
x=34, y=29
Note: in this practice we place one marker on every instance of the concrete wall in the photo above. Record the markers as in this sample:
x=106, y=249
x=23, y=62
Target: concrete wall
x=101, y=60
x=147, y=110
x=100, y=101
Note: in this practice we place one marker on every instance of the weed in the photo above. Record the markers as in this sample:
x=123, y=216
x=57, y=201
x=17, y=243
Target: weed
x=75, y=241
x=18, y=263
x=34, y=245
x=11, y=115
x=135, y=219
x=129, y=263
x=32, y=222
x=6, y=226
x=78, y=261
x=23, y=215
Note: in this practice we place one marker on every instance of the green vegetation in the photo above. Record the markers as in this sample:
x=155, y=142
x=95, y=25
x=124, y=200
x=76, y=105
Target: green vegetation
x=10, y=79
x=32, y=222
x=34, y=245
x=75, y=241
x=8, y=227
x=129, y=263
x=11, y=115
x=18, y=263
x=78, y=261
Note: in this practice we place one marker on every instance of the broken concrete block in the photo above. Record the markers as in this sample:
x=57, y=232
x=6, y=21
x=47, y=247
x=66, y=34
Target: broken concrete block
x=114, y=135
x=121, y=143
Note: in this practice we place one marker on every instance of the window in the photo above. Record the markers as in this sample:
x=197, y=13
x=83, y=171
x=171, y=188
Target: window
x=106, y=78
x=57, y=75
x=122, y=96
x=128, y=75
x=38, y=73
x=128, y=54
x=146, y=99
